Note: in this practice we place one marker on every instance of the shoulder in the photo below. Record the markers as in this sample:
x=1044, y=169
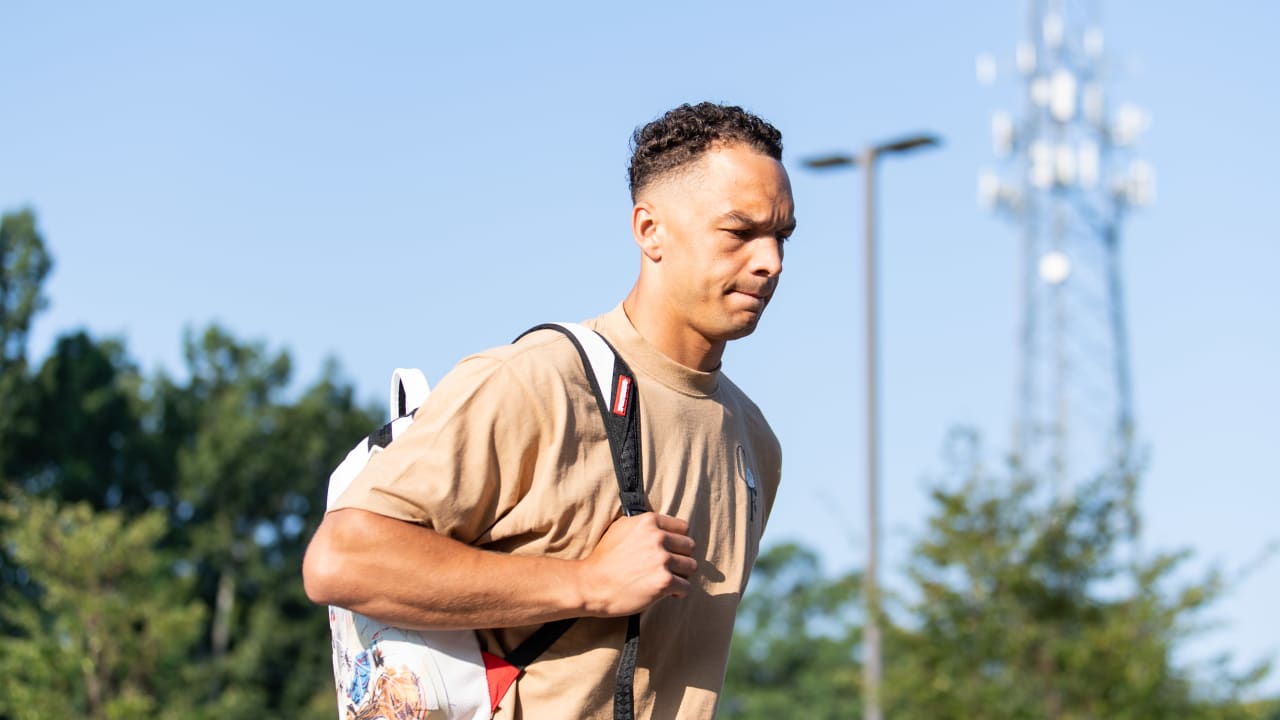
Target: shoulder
x=733, y=396
x=758, y=428
x=534, y=357
x=521, y=371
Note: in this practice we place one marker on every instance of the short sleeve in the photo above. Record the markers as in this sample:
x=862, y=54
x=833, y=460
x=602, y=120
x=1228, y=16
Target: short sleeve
x=466, y=460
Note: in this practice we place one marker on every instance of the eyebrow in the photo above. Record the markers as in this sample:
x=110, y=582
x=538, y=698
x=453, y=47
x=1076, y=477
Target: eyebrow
x=740, y=218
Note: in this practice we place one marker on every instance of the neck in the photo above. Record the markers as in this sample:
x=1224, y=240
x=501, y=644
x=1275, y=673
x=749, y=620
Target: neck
x=681, y=344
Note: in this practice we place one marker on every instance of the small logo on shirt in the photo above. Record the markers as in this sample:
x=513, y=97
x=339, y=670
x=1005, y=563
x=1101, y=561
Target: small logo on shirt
x=749, y=479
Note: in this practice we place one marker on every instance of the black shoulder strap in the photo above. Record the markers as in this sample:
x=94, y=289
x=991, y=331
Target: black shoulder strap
x=614, y=385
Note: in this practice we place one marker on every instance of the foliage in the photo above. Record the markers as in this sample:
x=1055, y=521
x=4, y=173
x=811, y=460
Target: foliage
x=88, y=444
x=1024, y=605
x=208, y=487
x=1029, y=607
x=24, y=263
x=794, y=642
x=249, y=483
x=109, y=631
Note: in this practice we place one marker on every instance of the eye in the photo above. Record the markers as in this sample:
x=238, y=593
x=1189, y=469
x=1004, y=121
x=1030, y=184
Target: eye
x=741, y=233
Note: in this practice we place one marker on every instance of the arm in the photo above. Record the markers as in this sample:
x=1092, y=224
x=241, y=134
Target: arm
x=410, y=576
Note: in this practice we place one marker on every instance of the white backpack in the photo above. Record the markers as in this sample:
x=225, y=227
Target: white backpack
x=383, y=671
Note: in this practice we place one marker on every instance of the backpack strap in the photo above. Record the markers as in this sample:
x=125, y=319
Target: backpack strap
x=614, y=386
x=624, y=683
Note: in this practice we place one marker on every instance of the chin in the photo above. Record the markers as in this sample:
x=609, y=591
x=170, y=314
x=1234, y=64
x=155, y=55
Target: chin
x=740, y=330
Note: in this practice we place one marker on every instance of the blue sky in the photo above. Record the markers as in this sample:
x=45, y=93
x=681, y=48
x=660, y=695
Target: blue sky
x=289, y=170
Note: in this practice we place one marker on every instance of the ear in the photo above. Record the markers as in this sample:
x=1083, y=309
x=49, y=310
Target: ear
x=645, y=229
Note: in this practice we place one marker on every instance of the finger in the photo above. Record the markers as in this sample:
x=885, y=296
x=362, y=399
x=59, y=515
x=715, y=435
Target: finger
x=678, y=588
x=672, y=524
x=679, y=544
x=681, y=566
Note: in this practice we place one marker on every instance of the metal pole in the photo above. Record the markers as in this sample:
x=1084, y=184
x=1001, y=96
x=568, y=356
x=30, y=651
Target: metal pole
x=872, y=669
x=872, y=672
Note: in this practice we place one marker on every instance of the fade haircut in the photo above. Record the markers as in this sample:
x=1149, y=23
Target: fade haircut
x=684, y=134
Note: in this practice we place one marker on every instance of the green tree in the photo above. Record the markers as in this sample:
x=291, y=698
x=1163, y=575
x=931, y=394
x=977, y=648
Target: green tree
x=24, y=264
x=107, y=630
x=85, y=402
x=251, y=469
x=229, y=458
x=1265, y=709
x=794, y=642
x=1033, y=606
x=1022, y=606
x=237, y=469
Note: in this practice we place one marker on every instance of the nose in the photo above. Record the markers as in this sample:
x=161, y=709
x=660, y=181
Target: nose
x=766, y=258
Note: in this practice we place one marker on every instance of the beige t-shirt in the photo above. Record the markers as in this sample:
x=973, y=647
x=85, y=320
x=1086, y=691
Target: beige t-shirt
x=509, y=454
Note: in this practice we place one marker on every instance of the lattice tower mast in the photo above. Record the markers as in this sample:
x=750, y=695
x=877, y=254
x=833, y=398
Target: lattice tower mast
x=1069, y=176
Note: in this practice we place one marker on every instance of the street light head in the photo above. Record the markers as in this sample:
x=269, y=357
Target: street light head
x=909, y=143
x=871, y=153
x=830, y=161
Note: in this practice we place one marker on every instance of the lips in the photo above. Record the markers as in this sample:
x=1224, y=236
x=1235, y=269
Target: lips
x=760, y=294
x=755, y=302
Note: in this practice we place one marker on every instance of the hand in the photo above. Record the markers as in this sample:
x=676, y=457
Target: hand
x=639, y=560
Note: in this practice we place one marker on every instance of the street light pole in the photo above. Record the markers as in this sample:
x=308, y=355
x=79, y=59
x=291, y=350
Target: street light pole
x=872, y=668
x=872, y=671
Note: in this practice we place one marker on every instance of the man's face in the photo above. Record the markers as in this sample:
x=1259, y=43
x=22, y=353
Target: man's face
x=721, y=225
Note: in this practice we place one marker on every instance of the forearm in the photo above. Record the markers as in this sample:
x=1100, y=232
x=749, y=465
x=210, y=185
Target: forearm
x=410, y=576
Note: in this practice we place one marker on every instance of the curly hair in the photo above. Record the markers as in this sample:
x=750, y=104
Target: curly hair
x=682, y=135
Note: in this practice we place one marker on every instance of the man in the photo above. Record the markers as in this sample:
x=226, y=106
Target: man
x=499, y=507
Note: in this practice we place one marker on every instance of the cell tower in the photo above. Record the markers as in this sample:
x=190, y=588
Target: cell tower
x=1069, y=178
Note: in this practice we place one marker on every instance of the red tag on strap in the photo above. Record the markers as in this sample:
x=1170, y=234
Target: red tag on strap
x=622, y=397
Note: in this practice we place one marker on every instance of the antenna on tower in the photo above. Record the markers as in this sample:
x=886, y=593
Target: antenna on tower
x=1068, y=176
